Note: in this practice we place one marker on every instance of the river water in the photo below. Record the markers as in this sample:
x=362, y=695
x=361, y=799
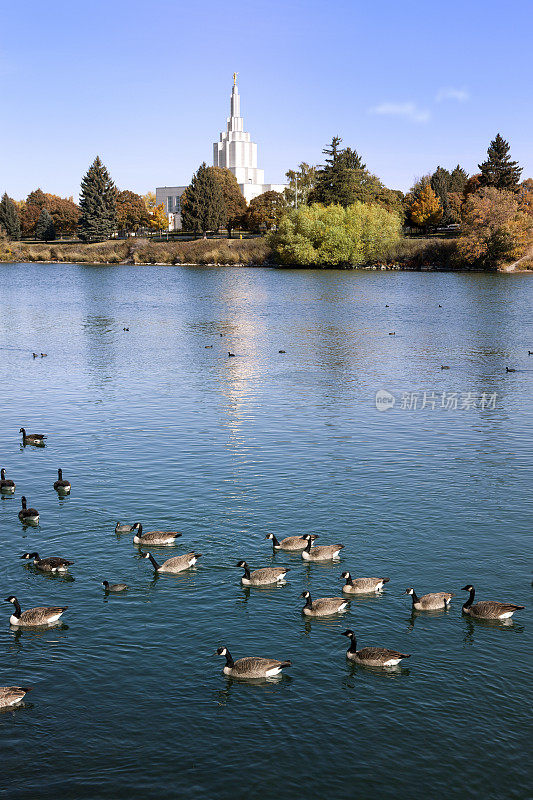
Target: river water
x=159, y=425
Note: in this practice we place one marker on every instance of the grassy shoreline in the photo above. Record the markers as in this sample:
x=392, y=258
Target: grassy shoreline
x=410, y=254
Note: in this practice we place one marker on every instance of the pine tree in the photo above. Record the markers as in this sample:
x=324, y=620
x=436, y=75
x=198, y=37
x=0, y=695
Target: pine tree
x=9, y=218
x=498, y=170
x=440, y=182
x=44, y=229
x=458, y=179
x=202, y=204
x=98, y=214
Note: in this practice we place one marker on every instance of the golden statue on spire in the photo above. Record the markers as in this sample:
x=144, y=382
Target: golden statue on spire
x=235, y=78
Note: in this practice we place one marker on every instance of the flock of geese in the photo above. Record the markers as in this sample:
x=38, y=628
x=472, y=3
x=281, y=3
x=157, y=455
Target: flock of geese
x=248, y=668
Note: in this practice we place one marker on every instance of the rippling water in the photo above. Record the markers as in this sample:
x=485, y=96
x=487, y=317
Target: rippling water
x=150, y=425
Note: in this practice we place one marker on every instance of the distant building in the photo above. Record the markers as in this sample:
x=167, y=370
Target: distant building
x=234, y=151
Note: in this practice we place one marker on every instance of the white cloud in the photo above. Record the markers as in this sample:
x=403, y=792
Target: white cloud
x=407, y=110
x=461, y=95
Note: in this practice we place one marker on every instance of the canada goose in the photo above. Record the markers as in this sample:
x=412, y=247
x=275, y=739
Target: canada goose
x=61, y=486
x=444, y=367
x=34, y=616
x=430, y=602
x=114, y=587
x=176, y=564
x=386, y=306
x=282, y=351
x=324, y=606
x=50, y=564
x=11, y=695
x=6, y=485
x=208, y=346
x=262, y=577
x=30, y=515
x=327, y=552
x=35, y=355
x=251, y=667
x=290, y=543
x=530, y=352
x=440, y=305
x=362, y=585
x=123, y=527
x=43, y=355
x=231, y=355
x=393, y=333
x=372, y=656
x=154, y=537
x=36, y=439
x=510, y=369
x=125, y=329
x=488, y=609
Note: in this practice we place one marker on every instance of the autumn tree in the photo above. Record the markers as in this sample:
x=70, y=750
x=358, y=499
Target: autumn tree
x=265, y=211
x=65, y=214
x=158, y=219
x=496, y=228
x=202, y=204
x=498, y=170
x=44, y=228
x=131, y=211
x=149, y=201
x=9, y=218
x=426, y=210
x=301, y=182
x=98, y=212
x=234, y=202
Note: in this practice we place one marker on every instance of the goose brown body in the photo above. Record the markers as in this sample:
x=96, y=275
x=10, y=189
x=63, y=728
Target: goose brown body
x=49, y=564
x=32, y=438
x=11, y=695
x=34, y=617
x=328, y=552
x=324, y=606
x=434, y=601
x=176, y=564
x=251, y=667
x=372, y=656
x=362, y=585
x=6, y=485
x=488, y=609
x=62, y=486
x=154, y=538
x=266, y=576
x=27, y=514
x=292, y=544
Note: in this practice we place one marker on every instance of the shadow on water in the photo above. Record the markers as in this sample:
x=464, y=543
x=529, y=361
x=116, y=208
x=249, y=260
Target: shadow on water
x=223, y=696
x=414, y=615
x=58, y=577
x=358, y=671
x=503, y=625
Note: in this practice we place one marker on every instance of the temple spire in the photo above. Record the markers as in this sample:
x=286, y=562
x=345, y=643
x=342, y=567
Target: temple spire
x=235, y=99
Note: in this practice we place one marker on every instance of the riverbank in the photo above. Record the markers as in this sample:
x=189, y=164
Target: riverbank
x=409, y=254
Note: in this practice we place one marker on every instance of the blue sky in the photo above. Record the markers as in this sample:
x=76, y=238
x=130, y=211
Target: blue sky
x=409, y=84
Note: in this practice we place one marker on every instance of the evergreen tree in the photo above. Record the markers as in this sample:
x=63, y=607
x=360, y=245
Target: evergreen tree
x=98, y=213
x=202, y=204
x=458, y=179
x=440, y=183
x=498, y=170
x=350, y=159
x=44, y=229
x=9, y=218
x=343, y=178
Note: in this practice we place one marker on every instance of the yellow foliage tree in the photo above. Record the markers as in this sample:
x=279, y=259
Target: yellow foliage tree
x=149, y=201
x=426, y=209
x=158, y=219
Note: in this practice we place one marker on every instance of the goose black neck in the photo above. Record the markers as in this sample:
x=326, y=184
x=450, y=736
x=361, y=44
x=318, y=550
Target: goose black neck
x=246, y=569
x=308, y=602
x=353, y=644
x=308, y=545
x=139, y=529
x=414, y=597
x=229, y=660
x=2, y=474
x=60, y=474
x=349, y=580
x=470, y=599
x=23, y=501
x=154, y=562
x=275, y=542
x=17, y=610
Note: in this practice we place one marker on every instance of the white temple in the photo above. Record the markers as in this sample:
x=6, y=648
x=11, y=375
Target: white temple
x=236, y=151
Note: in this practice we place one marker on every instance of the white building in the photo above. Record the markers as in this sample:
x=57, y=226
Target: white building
x=234, y=151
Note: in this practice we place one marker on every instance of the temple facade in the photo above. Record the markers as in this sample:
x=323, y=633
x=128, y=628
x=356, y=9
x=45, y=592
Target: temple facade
x=234, y=151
